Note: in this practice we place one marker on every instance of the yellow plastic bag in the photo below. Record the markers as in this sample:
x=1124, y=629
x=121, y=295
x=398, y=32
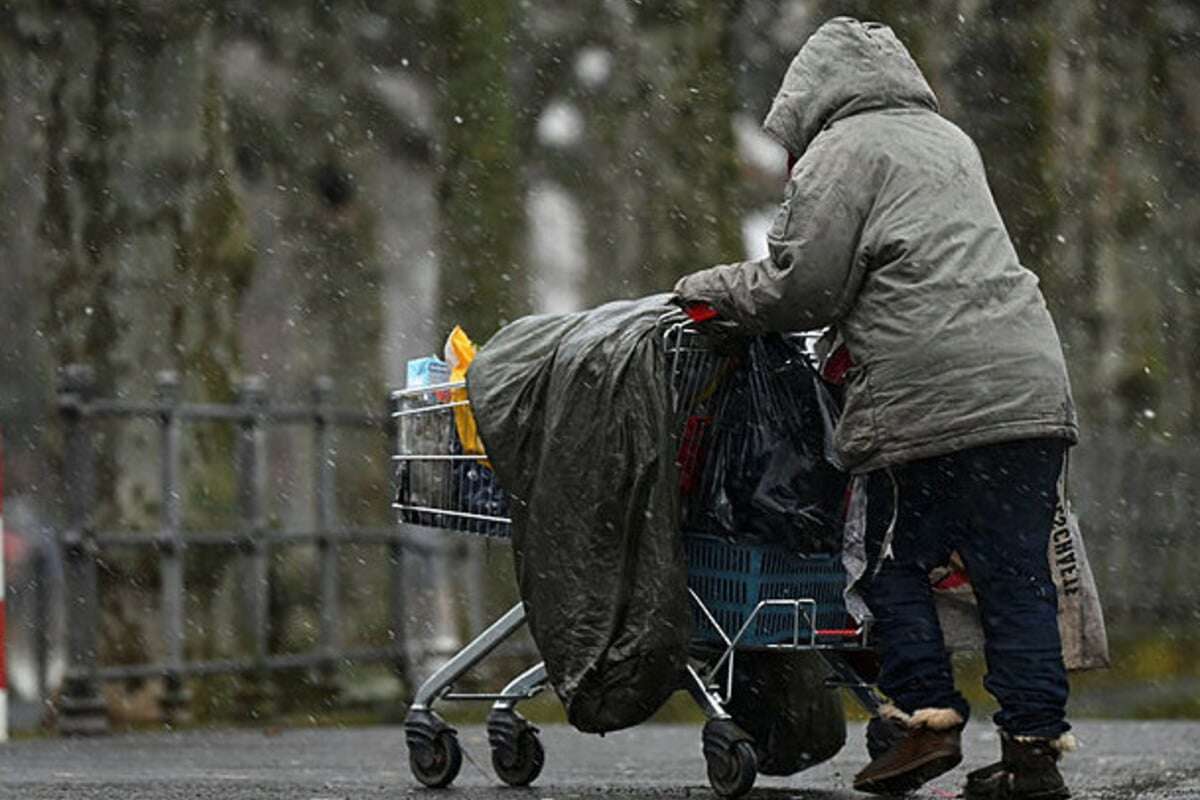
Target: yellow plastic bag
x=460, y=352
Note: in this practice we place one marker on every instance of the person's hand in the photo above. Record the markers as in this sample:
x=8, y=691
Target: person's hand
x=722, y=336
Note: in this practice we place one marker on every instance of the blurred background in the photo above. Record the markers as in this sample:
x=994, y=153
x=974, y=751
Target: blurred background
x=312, y=188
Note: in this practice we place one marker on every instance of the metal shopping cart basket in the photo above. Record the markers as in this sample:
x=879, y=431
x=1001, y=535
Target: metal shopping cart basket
x=745, y=597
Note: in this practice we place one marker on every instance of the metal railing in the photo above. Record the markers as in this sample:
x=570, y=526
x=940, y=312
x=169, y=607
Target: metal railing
x=1139, y=503
x=81, y=705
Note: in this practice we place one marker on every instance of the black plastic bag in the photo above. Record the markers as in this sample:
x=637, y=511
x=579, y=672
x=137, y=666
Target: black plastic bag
x=766, y=477
x=476, y=491
x=781, y=700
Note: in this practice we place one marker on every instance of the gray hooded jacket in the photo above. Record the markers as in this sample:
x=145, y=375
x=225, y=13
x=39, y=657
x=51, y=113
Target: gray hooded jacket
x=889, y=232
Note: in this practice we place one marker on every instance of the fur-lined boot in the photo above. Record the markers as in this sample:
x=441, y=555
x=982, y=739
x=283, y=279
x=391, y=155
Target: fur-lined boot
x=1027, y=770
x=931, y=745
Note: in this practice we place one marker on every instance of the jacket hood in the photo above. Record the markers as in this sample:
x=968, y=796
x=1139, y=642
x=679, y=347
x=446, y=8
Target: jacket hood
x=846, y=67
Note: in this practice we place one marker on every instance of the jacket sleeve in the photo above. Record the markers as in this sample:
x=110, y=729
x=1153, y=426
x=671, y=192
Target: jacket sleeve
x=812, y=274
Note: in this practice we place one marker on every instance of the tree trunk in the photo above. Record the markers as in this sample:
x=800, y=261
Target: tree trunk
x=482, y=277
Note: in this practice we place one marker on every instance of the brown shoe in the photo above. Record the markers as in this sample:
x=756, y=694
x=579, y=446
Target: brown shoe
x=931, y=746
x=1027, y=770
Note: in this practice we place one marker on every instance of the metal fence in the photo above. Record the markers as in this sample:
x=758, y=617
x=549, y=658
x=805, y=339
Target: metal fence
x=81, y=705
x=1138, y=500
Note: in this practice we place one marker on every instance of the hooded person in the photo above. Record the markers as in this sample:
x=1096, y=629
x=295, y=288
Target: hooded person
x=957, y=409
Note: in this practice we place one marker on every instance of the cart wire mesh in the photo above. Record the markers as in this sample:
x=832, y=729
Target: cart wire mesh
x=437, y=484
x=440, y=486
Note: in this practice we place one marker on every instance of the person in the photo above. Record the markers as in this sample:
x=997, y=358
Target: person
x=957, y=406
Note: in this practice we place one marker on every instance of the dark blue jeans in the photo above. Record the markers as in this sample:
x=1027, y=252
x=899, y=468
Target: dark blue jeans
x=994, y=505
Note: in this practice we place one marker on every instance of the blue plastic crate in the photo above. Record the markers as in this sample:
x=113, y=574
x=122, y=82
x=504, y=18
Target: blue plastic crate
x=733, y=578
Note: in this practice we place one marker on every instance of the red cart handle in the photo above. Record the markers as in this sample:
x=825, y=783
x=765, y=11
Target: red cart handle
x=700, y=312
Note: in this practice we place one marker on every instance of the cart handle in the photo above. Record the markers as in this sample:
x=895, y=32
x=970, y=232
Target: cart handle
x=700, y=312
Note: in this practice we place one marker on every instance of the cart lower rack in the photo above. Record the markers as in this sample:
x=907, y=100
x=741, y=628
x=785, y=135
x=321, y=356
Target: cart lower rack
x=744, y=597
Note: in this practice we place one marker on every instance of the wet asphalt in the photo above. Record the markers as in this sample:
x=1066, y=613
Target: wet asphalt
x=1117, y=760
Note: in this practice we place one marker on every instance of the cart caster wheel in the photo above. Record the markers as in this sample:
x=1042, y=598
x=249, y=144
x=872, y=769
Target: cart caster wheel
x=729, y=754
x=882, y=734
x=434, y=755
x=517, y=752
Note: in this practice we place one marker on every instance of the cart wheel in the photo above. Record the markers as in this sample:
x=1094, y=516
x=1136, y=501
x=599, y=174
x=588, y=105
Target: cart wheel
x=437, y=763
x=729, y=753
x=882, y=734
x=434, y=755
x=517, y=752
x=732, y=773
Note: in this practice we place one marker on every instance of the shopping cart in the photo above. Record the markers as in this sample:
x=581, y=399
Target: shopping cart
x=745, y=597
